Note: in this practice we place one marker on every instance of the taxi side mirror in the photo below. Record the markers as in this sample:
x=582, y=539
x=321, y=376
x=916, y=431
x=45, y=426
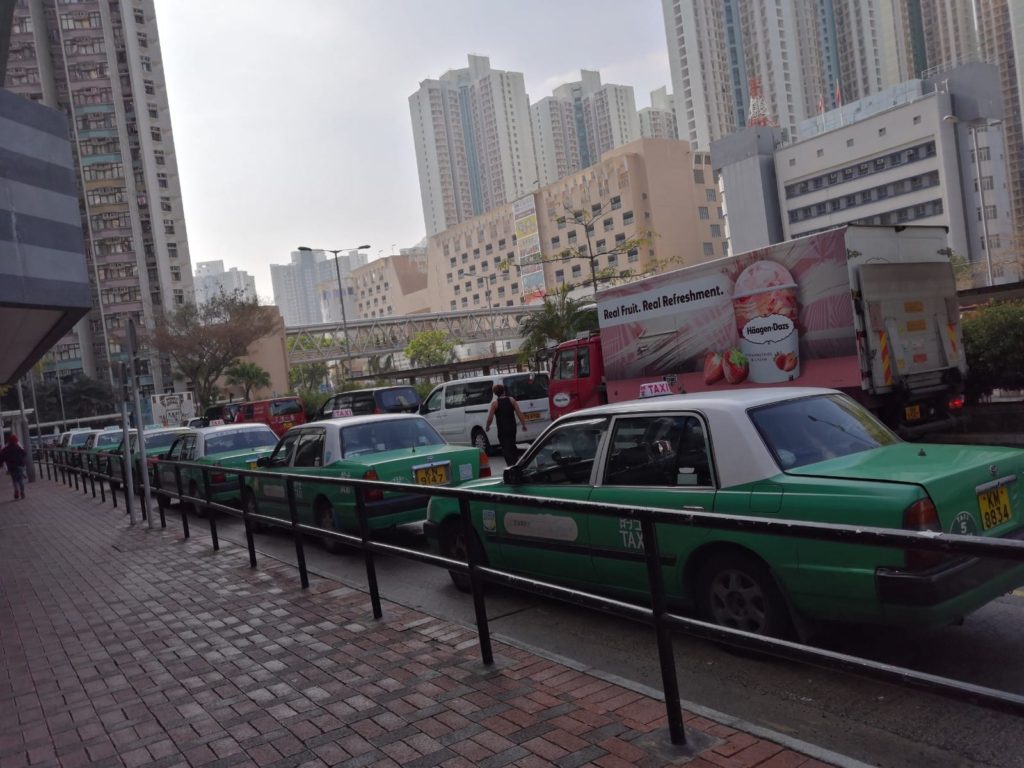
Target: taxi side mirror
x=513, y=476
x=263, y=461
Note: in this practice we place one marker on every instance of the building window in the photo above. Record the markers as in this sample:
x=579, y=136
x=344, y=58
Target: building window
x=561, y=222
x=617, y=202
x=556, y=241
x=792, y=161
x=881, y=131
x=703, y=214
x=709, y=249
x=849, y=142
x=716, y=230
x=821, y=153
x=559, y=276
x=917, y=119
x=627, y=218
x=176, y=274
x=711, y=195
x=609, y=225
x=633, y=255
x=179, y=296
x=698, y=175
x=577, y=271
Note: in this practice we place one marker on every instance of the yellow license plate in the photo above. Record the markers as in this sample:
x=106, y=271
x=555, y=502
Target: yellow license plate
x=994, y=505
x=433, y=475
x=531, y=415
x=912, y=412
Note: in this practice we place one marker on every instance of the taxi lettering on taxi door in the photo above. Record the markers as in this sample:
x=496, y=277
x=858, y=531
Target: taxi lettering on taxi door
x=536, y=526
x=631, y=533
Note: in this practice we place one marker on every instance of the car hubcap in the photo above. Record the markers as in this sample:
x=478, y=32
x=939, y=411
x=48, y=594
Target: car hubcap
x=737, y=601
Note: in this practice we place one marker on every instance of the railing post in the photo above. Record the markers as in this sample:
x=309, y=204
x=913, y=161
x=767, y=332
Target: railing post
x=371, y=565
x=476, y=583
x=126, y=490
x=249, y=542
x=209, y=512
x=300, y=552
x=182, y=506
x=46, y=462
x=103, y=491
x=110, y=475
x=666, y=655
x=92, y=475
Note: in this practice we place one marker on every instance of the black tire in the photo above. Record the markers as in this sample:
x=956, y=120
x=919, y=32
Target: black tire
x=323, y=516
x=453, y=545
x=162, y=502
x=251, y=507
x=480, y=440
x=196, y=509
x=736, y=589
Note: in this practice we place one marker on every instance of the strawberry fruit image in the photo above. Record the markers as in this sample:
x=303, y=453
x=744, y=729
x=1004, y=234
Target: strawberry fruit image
x=713, y=368
x=780, y=360
x=735, y=366
x=790, y=361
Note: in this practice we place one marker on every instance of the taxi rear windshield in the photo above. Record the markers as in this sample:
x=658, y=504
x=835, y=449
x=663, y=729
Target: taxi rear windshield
x=391, y=435
x=813, y=429
x=240, y=440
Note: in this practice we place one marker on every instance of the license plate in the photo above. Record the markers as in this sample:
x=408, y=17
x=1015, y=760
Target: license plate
x=994, y=505
x=531, y=415
x=912, y=412
x=434, y=474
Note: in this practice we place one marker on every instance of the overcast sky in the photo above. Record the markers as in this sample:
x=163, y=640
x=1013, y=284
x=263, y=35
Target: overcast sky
x=291, y=120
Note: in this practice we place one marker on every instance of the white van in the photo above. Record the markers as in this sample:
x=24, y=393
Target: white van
x=458, y=409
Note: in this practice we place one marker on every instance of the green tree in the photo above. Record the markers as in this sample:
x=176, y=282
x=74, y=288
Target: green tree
x=204, y=340
x=248, y=376
x=308, y=375
x=994, y=344
x=429, y=348
x=561, y=318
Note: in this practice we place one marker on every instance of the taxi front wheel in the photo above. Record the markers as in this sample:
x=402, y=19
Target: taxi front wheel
x=324, y=517
x=453, y=546
x=252, y=508
x=736, y=590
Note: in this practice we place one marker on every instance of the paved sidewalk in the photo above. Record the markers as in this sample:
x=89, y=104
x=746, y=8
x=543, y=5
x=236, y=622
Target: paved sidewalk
x=126, y=647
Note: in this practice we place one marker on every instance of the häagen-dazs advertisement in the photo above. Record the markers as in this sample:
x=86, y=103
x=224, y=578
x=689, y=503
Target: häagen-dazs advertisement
x=771, y=316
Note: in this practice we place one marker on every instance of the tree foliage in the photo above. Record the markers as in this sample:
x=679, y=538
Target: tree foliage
x=561, y=318
x=248, y=376
x=203, y=341
x=994, y=344
x=308, y=376
x=429, y=348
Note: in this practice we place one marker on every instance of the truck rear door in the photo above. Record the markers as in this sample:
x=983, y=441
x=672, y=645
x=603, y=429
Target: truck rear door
x=911, y=321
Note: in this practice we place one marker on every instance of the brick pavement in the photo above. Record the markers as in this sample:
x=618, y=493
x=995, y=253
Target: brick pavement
x=127, y=647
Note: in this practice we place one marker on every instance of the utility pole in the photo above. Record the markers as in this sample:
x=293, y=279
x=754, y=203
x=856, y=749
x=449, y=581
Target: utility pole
x=126, y=442
x=143, y=463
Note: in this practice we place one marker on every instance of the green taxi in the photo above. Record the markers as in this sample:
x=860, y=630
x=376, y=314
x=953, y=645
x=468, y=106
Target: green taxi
x=237, y=446
x=780, y=453
x=400, y=448
x=157, y=440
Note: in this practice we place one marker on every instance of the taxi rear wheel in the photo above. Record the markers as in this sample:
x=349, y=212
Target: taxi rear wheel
x=252, y=508
x=736, y=590
x=453, y=545
x=162, y=501
x=324, y=517
x=196, y=509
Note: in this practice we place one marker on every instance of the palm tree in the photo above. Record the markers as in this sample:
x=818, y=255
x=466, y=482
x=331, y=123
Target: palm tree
x=561, y=318
x=248, y=376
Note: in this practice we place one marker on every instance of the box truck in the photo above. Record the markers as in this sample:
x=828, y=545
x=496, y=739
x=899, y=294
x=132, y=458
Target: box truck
x=871, y=311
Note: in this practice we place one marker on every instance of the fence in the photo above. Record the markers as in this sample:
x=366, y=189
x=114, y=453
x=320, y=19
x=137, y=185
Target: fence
x=69, y=466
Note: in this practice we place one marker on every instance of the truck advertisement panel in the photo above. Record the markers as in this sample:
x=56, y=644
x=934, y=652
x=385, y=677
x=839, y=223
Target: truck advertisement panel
x=778, y=315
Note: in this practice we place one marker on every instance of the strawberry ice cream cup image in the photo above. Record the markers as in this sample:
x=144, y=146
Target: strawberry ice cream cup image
x=765, y=304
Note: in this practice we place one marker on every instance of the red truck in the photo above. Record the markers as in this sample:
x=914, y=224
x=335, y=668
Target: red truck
x=871, y=311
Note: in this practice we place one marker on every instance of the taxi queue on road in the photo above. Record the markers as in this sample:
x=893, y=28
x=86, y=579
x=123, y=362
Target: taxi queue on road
x=800, y=454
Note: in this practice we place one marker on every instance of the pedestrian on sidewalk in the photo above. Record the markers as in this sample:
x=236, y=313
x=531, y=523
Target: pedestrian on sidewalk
x=505, y=410
x=13, y=455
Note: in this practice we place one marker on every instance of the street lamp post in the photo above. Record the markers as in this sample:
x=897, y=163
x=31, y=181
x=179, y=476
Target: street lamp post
x=341, y=296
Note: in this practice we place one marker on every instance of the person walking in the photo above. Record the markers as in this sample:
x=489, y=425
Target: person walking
x=13, y=455
x=505, y=410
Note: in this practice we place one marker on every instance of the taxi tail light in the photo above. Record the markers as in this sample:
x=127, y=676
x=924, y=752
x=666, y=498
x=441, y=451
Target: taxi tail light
x=218, y=477
x=956, y=403
x=372, y=494
x=485, y=465
x=922, y=516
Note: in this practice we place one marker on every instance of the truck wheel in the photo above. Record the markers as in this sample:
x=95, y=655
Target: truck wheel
x=453, y=545
x=736, y=590
x=480, y=440
x=324, y=517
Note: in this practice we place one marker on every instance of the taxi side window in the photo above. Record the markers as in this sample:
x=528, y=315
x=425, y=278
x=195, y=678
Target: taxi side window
x=667, y=451
x=175, y=453
x=310, y=450
x=566, y=456
x=282, y=455
x=188, y=448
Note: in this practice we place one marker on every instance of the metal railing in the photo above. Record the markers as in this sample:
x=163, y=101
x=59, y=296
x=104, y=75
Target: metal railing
x=657, y=614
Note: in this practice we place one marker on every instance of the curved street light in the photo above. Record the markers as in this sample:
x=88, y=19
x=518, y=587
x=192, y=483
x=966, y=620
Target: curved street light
x=341, y=295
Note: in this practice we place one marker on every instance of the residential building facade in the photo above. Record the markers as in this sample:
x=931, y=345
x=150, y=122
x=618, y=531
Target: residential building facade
x=656, y=186
x=100, y=64
x=306, y=290
x=658, y=121
x=555, y=139
x=211, y=280
x=392, y=286
x=474, y=143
